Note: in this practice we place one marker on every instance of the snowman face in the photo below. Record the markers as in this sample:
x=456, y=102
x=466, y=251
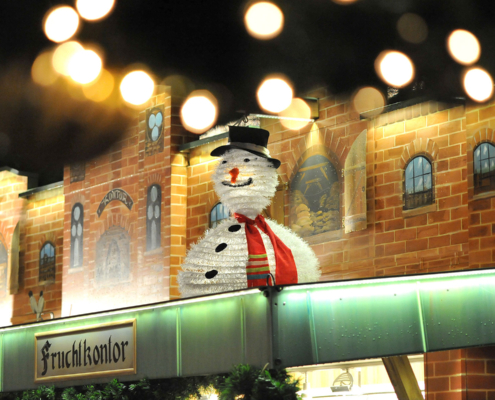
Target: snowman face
x=244, y=181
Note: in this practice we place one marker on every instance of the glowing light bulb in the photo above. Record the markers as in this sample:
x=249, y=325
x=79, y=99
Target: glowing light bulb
x=84, y=66
x=42, y=71
x=293, y=116
x=264, y=20
x=61, y=24
x=478, y=84
x=199, y=111
x=368, y=101
x=463, y=47
x=63, y=54
x=93, y=10
x=274, y=95
x=137, y=87
x=101, y=89
x=394, y=68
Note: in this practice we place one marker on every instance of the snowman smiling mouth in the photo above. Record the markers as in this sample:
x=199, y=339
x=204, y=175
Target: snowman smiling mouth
x=234, y=185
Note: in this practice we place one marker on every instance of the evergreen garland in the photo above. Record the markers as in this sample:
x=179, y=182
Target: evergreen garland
x=244, y=382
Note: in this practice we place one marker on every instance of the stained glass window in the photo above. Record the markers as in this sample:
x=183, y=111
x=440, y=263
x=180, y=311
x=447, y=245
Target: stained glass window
x=419, y=184
x=484, y=168
x=153, y=217
x=47, y=263
x=218, y=214
x=76, y=236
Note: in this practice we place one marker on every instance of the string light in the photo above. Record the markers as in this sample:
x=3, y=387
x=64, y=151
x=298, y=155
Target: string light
x=42, y=72
x=63, y=54
x=368, y=102
x=137, y=87
x=395, y=68
x=463, y=47
x=84, y=66
x=296, y=116
x=61, y=24
x=478, y=84
x=93, y=10
x=199, y=112
x=274, y=95
x=264, y=20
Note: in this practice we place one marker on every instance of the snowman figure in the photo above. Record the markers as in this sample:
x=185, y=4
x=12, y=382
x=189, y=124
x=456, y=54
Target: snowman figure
x=246, y=250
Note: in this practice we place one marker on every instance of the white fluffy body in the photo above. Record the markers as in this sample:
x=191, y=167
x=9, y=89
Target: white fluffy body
x=230, y=262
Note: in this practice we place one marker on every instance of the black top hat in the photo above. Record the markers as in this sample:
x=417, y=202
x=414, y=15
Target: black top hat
x=249, y=139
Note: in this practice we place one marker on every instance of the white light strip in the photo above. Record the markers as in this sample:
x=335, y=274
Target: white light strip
x=390, y=280
x=287, y=118
x=176, y=303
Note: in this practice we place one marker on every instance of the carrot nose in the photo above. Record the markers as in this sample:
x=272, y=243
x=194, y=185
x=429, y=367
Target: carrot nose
x=234, y=173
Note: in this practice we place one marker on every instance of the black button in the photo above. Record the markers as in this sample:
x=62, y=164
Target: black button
x=234, y=228
x=221, y=247
x=211, y=274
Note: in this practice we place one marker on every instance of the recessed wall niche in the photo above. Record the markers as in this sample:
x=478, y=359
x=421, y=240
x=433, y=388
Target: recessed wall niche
x=112, y=257
x=315, y=197
x=77, y=172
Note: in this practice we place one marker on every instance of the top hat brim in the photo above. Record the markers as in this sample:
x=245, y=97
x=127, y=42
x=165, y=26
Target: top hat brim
x=220, y=151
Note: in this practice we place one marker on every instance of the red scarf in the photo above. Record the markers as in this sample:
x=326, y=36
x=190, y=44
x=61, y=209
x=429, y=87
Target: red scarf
x=257, y=268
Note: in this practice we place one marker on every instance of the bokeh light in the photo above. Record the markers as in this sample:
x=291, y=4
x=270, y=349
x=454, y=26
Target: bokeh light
x=412, y=28
x=199, y=111
x=394, y=68
x=344, y=2
x=368, y=102
x=63, y=54
x=93, y=10
x=274, y=95
x=42, y=71
x=264, y=20
x=101, y=88
x=296, y=116
x=61, y=24
x=463, y=47
x=137, y=87
x=84, y=66
x=478, y=84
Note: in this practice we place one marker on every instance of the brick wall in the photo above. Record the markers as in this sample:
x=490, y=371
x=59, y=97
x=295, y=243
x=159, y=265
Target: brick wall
x=11, y=214
x=464, y=374
x=44, y=213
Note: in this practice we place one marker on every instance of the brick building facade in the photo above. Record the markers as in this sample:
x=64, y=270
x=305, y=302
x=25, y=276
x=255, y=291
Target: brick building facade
x=135, y=210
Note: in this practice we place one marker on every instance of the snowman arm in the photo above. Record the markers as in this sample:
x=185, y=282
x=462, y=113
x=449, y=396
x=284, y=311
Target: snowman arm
x=308, y=268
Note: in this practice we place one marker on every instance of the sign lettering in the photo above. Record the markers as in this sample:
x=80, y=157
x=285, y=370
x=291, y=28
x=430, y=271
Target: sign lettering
x=115, y=194
x=107, y=349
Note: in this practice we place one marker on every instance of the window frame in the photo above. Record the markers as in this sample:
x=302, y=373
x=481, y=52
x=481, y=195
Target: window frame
x=73, y=238
x=51, y=263
x=150, y=202
x=413, y=200
x=477, y=180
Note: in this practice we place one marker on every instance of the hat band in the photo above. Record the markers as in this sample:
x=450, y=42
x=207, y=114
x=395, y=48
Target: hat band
x=250, y=146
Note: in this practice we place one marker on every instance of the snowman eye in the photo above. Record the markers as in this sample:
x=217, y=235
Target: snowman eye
x=224, y=162
x=247, y=160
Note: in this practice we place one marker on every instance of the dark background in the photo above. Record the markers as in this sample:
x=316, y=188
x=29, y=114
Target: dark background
x=323, y=43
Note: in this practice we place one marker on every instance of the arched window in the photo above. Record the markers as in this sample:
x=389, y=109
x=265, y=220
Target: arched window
x=47, y=263
x=484, y=168
x=153, y=217
x=419, y=183
x=217, y=214
x=76, y=236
